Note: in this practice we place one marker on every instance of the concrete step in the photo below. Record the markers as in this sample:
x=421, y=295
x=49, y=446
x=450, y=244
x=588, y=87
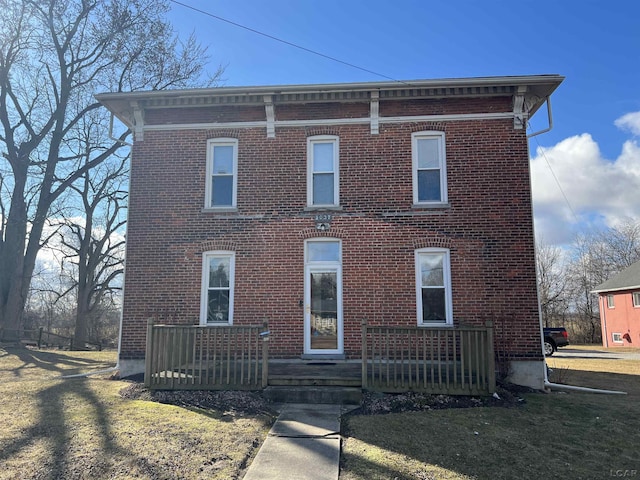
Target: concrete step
x=313, y=381
x=313, y=394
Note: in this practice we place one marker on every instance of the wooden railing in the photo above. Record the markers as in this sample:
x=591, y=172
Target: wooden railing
x=195, y=357
x=448, y=360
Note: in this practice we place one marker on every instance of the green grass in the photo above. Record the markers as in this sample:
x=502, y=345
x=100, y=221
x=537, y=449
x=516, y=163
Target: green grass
x=555, y=435
x=82, y=428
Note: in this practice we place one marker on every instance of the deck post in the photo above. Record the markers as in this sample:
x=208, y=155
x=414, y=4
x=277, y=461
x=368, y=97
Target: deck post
x=148, y=353
x=364, y=353
x=491, y=359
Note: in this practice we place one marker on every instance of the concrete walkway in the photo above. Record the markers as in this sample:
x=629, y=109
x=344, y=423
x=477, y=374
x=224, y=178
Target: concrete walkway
x=303, y=444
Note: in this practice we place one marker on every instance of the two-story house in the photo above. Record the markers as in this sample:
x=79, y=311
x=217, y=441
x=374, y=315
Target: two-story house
x=619, y=305
x=317, y=206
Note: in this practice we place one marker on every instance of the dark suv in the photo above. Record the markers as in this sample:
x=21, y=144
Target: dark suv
x=554, y=338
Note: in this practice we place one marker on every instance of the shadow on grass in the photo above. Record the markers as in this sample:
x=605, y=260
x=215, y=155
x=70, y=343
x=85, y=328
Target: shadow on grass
x=60, y=363
x=53, y=426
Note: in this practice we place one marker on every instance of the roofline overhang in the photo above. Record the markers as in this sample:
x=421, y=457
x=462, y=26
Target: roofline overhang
x=619, y=289
x=128, y=106
x=527, y=80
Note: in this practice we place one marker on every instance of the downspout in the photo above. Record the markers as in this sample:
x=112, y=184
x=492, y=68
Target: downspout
x=547, y=384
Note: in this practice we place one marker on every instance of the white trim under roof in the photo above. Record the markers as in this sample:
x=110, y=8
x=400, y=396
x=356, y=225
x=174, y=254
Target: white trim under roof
x=528, y=92
x=326, y=122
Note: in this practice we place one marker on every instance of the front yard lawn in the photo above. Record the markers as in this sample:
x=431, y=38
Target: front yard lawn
x=82, y=428
x=85, y=428
x=556, y=435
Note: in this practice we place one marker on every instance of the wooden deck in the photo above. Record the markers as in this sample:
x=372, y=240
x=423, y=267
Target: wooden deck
x=394, y=359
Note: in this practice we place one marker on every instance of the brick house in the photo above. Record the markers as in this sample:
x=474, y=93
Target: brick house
x=619, y=305
x=317, y=206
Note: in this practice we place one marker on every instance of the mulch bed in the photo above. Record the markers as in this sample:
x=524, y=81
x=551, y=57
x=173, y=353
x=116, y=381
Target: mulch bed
x=373, y=403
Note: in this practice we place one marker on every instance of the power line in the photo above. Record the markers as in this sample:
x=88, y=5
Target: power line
x=291, y=44
x=566, y=199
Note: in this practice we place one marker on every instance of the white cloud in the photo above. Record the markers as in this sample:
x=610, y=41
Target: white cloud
x=630, y=122
x=600, y=191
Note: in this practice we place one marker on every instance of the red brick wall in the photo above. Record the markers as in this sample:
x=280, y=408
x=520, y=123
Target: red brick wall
x=488, y=228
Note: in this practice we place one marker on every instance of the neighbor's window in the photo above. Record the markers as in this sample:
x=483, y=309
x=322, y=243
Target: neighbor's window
x=617, y=338
x=610, y=301
x=433, y=281
x=217, y=287
x=429, y=168
x=222, y=172
x=636, y=299
x=322, y=171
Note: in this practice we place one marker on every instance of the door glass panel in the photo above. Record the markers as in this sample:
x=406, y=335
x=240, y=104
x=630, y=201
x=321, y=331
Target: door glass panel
x=324, y=311
x=323, y=251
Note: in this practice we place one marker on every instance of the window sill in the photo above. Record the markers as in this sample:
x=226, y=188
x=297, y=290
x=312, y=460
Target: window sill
x=220, y=210
x=436, y=325
x=314, y=208
x=428, y=206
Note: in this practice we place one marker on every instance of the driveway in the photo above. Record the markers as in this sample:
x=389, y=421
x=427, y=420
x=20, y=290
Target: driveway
x=569, y=352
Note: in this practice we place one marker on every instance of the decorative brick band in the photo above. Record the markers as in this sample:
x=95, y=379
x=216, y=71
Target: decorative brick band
x=218, y=244
x=312, y=131
x=223, y=133
x=429, y=126
x=315, y=233
x=433, y=242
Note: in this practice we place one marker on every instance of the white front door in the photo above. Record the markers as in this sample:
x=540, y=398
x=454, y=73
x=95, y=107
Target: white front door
x=323, y=329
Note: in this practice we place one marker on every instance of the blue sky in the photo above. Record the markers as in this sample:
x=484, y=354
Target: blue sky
x=593, y=148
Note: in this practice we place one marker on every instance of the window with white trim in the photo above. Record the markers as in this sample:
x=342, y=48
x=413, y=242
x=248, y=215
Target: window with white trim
x=635, y=298
x=218, y=269
x=610, y=301
x=222, y=173
x=429, y=168
x=617, y=338
x=323, y=182
x=433, y=282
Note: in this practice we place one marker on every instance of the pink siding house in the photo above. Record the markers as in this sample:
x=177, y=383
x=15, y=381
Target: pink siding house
x=619, y=300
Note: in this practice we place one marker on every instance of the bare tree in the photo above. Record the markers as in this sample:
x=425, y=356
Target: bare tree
x=586, y=271
x=54, y=55
x=596, y=257
x=93, y=242
x=552, y=284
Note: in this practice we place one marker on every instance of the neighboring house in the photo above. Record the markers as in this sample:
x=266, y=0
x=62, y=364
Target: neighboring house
x=317, y=206
x=619, y=302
